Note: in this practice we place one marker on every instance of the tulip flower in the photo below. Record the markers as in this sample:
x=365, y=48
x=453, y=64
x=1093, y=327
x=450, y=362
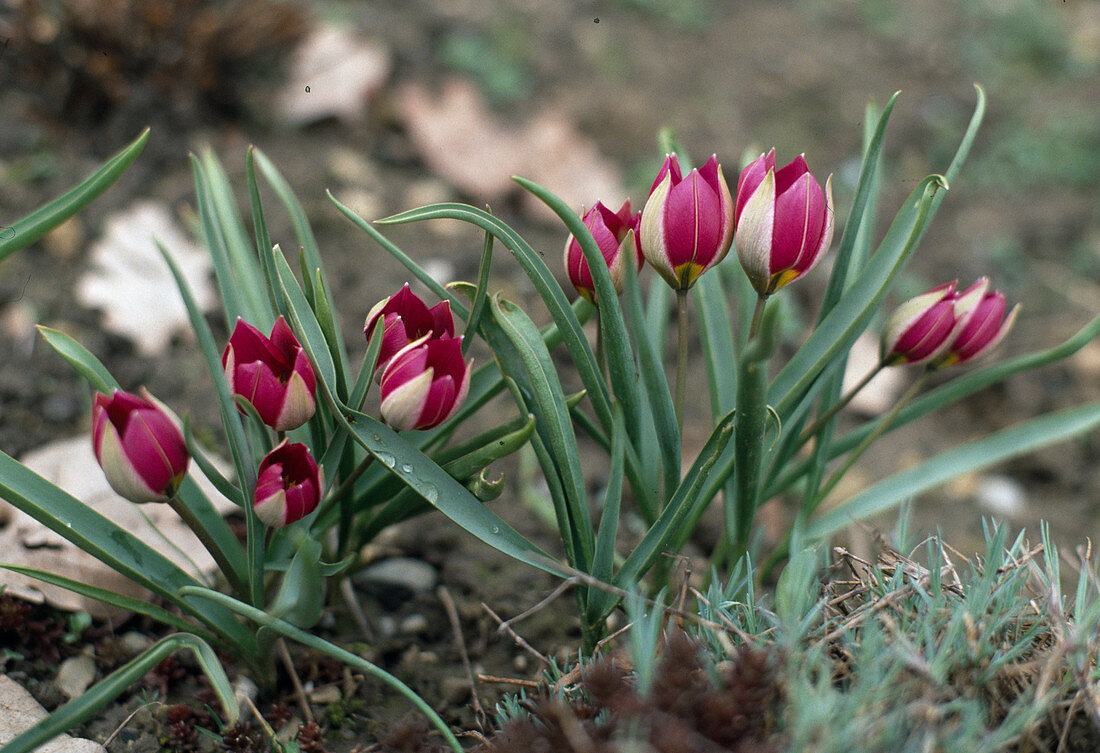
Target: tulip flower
x=985, y=326
x=272, y=373
x=139, y=445
x=922, y=328
x=288, y=485
x=784, y=222
x=687, y=223
x=407, y=318
x=424, y=384
x=616, y=234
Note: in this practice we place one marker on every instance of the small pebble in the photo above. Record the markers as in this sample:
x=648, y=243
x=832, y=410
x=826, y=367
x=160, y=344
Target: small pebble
x=1001, y=495
x=75, y=675
x=397, y=579
x=415, y=624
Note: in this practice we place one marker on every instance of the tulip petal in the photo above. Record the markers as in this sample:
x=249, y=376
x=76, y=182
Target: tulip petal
x=120, y=472
x=754, y=234
x=402, y=406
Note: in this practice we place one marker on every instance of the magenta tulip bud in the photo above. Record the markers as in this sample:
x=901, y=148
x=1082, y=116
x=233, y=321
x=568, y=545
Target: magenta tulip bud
x=273, y=374
x=424, y=384
x=616, y=233
x=687, y=223
x=985, y=326
x=407, y=318
x=922, y=328
x=139, y=445
x=288, y=485
x=784, y=222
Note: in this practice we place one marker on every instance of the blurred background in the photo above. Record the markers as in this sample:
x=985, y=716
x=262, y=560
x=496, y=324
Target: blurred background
x=397, y=103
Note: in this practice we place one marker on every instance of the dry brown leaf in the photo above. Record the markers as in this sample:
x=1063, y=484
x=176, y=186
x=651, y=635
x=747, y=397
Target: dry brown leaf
x=463, y=141
x=332, y=74
x=70, y=464
x=132, y=285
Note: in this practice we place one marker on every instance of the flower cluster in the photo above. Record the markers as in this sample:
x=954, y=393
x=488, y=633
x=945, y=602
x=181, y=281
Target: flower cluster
x=139, y=443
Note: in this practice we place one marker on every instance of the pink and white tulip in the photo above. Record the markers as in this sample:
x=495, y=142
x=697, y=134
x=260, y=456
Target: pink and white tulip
x=986, y=324
x=784, y=222
x=272, y=373
x=139, y=445
x=922, y=328
x=616, y=234
x=288, y=485
x=424, y=384
x=687, y=223
x=407, y=318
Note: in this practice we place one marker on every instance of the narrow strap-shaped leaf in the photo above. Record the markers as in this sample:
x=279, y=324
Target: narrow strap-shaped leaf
x=547, y=402
x=323, y=308
x=120, y=550
x=263, y=237
x=308, y=328
x=86, y=364
x=665, y=431
x=457, y=306
x=231, y=420
x=302, y=230
x=670, y=524
x=481, y=295
x=657, y=315
x=229, y=286
x=406, y=504
x=363, y=381
x=603, y=563
x=27, y=230
x=247, y=274
x=89, y=703
x=973, y=456
x=129, y=603
x=352, y=660
x=621, y=363
x=545, y=285
x=857, y=216
x=220, y=482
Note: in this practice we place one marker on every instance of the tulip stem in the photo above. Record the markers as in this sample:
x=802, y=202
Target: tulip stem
x=681, y=355
x=207, y=540
x=827, y=416
x=757, y=315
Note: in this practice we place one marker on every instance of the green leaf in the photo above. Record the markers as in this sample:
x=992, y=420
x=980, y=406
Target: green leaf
x=117, y=548
x=263, y=237
x=658, y=413
x=352, y=660
x=973, y=456
x=130, y=604
x=603, y=562
x=546, y=400
x=679, y=508
x=305, y=322
x=301, y=596
x=26, y=231
x=97, y=697
x=233, y=300
x=86, y=364
x=621, y=366
x=247, y=274
x=481, y=296
x=444, y=493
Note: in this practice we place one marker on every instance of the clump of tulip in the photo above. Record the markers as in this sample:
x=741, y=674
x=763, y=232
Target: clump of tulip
x=272, y=373
x=139, y=445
